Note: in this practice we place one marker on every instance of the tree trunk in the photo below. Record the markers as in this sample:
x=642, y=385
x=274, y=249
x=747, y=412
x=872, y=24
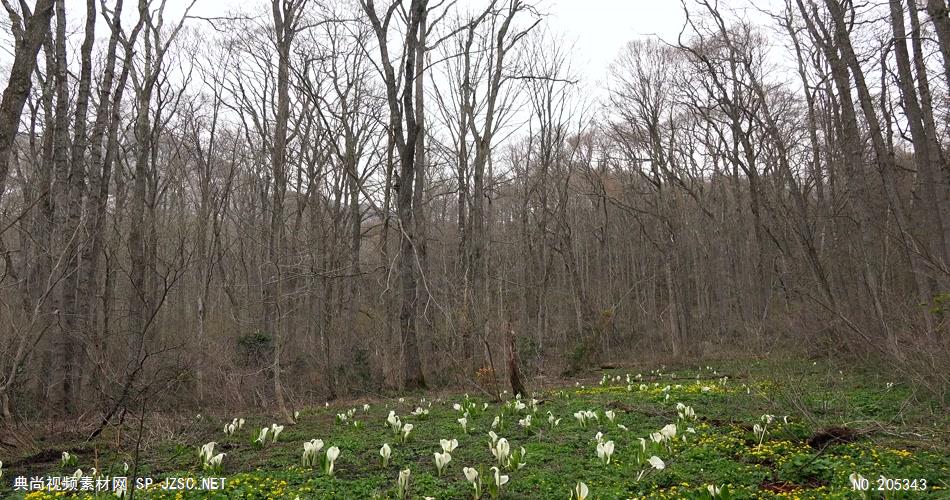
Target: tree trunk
x=26, y=48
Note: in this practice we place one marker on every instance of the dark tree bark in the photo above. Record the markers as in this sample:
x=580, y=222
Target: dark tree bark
x=28, y=40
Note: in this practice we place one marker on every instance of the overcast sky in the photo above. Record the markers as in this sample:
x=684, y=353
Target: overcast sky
x=598, y=28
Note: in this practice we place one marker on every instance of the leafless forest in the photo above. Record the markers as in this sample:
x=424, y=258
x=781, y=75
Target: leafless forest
x=304, y=200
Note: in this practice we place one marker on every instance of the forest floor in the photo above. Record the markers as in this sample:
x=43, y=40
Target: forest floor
x=884, y=434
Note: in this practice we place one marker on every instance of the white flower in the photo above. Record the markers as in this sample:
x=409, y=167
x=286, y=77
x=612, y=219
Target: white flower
x=713, y=490
x=448, y=445
x=366, y=407
x=610, y=415
x=599, y=437
x=622, y=427
x=495, y=422
x=310, y=450
x=500, y=480
x=643, y=444
x=604, y=451
x=207, y=450
x=501, y=451
x=262, y=437
x=441, y=460
x=215, y=461
x=656, y=437
x=393, y=421
x=464, y=423
x=457, y=407
x=276, y=430
x=581, y=491
x=385, y=452
x=668, y=431
x=759, y=432
x=471, y=475
x=77, y=474
x=403, y=483
x=406, y=429
x=581, y=417
x=332, y=454
x=525, y=422
x=656, y=462
x=767, y=419
x=296, y=415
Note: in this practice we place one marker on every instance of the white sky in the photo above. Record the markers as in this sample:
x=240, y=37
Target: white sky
x=598, y=28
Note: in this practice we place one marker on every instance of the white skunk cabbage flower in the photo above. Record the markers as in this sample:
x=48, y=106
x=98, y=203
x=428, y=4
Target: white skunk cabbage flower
x=471, y=475
x=581, y=418
x=656, y=462
x=501, y=451
x=310, y=450
x=262, y=437
x=580, y=492
x=332, y=454
x=215, y=461
x=276, y=430
x=668, y=431
x=441, y=460
x=449, y=445
x=206, y=451
x=500, y=480
x=393, y=421
x=402, y=484
x=604, y=451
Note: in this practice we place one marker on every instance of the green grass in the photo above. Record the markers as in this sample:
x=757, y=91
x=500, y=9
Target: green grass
x=900, y=438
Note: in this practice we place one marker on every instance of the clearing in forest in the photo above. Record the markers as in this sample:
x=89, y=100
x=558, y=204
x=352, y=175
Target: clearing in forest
x=769, y=429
